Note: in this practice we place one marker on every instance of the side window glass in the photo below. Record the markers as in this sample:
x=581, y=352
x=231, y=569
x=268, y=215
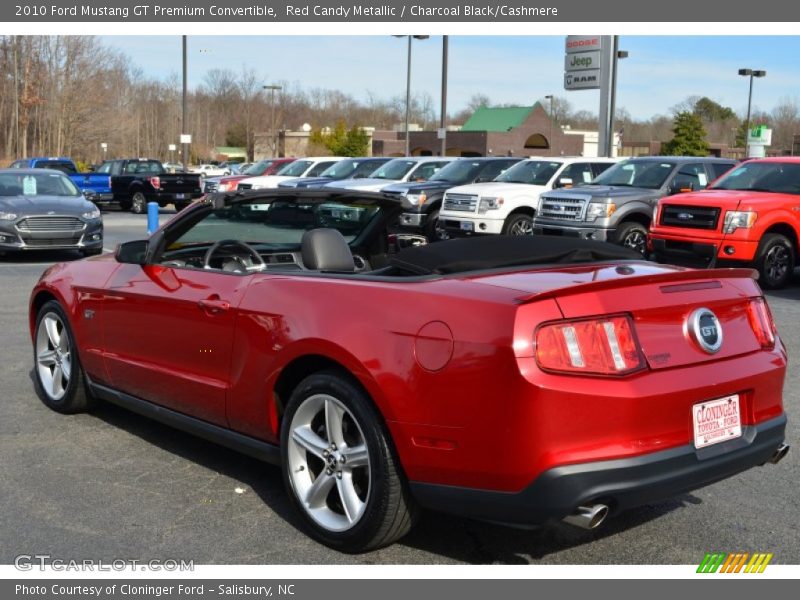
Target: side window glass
x=695, y=173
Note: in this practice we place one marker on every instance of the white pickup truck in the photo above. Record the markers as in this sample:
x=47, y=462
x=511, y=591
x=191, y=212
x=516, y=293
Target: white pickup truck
x=508, y=204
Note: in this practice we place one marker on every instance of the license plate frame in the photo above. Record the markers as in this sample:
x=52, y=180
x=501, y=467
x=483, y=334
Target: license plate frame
x=180, y=196
x=467, y=226
x=716, y=421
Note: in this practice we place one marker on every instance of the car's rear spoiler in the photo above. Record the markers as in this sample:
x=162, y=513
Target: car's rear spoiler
x=702, y=277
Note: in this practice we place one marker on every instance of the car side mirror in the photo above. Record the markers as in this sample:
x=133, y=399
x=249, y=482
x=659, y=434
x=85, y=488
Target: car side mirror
x=89, y=195
x=132, y=253
x=564, y=182
x=681, y=185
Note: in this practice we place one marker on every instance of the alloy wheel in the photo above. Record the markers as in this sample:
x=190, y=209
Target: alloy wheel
x=776, y=262
x=522, y=227
x=53, y=356
x=635, y=240
x=329, y=463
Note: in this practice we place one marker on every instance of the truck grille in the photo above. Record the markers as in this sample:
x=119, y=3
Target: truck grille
x=694, y=217
x=50, y=224
x=562, y=209
x=461, y=202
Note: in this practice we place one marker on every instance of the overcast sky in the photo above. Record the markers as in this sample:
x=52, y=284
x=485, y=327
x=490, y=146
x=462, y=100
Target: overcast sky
x=659, y=73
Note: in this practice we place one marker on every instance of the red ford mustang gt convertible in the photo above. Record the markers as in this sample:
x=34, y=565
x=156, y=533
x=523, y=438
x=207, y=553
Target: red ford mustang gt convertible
x=517, y=380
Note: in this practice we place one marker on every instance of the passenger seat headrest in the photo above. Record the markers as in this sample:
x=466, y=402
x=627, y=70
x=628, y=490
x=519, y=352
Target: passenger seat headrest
x=326, y=250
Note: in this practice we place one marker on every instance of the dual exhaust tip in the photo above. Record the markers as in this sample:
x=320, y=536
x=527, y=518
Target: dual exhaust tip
x=779, y=454
x=591, y=516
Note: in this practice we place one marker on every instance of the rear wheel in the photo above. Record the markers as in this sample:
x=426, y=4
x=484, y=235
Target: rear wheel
x=138, y=203
x=339, y=467
x=775, y=260
x=59, y=376
x=518, y=224
x=633, y=235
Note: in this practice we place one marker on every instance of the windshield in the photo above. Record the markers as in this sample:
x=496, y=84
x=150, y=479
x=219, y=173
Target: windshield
x=459, y=171
x=394, y=169
x=258, y=168
x=650, y=174
x=341, y=170
x=280, y=223
x=533, y=172
x=46, y=184
x=781, y=178
x=296, y=168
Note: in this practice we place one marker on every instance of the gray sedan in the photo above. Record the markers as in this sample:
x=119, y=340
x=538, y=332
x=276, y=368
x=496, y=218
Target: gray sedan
x=41, y=209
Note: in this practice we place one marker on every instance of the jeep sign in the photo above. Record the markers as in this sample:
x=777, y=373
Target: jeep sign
x=580, y=61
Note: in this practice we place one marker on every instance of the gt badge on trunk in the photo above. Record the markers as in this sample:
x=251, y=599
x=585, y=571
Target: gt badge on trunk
x=704, y=328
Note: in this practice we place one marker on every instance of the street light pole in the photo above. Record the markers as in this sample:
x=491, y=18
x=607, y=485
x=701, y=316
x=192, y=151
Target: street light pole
x=550, y=140
x=443, y=119
x=408, y=87
x=749, y=73
x=183, y=109
x=273, y=89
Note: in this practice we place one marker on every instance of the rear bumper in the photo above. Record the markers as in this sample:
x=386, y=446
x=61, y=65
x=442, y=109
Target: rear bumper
x=621, y=483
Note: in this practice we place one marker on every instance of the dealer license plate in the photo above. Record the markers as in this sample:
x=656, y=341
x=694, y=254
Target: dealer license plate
x=466, y=225
x=717, y=421
x=180, y=196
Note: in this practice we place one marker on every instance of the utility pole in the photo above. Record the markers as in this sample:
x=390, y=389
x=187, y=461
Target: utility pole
x=183, y=111
x=443, y=119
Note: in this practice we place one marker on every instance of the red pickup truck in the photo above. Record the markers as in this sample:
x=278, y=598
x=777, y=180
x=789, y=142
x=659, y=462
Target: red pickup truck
x=749, y=216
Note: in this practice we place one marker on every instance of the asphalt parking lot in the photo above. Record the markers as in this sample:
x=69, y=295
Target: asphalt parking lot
x=113, y=485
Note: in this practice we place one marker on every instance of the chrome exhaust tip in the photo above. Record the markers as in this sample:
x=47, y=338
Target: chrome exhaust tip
x=779, y=454
x=588, y=517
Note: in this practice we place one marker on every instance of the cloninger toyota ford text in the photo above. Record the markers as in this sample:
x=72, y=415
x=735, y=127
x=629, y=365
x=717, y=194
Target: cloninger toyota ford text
x=535, y=379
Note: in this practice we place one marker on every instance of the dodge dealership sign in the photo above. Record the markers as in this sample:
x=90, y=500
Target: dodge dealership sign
x=582, y=62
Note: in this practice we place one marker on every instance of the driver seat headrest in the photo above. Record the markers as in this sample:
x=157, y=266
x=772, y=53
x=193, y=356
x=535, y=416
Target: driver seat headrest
x=326, y=250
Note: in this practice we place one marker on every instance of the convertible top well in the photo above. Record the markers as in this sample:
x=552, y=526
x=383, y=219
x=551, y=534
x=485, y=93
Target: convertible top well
x=494, y=252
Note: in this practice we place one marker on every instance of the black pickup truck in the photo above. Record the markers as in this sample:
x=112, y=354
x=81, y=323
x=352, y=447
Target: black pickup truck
x=137, y=181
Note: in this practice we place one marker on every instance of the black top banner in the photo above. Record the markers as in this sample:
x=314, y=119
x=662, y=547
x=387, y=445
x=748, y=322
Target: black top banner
x=445, y=11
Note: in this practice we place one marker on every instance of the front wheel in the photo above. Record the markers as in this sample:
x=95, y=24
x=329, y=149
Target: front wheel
x=775, y=260
x=138, y=203
x=518, y=224
x=633, y=235
x=59, y=376
x=433, y=230
x=339, y=466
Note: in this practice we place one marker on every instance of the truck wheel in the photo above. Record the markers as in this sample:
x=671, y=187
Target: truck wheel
x=340, y=470
x=518, y=224
x=433, y=231
x=775, y=260
x=125, y=205
x=138, y=203
x=179, y=206
x=633, y=235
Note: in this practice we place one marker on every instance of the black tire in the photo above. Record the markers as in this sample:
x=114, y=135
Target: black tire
x=92, y=251
x=138, y=203
x=75, y=397
x=433, y=232
x=518, y=224
x=179, y=206
x=125, y=205
x=632, y=235
x=387, y=512
x=775, y=260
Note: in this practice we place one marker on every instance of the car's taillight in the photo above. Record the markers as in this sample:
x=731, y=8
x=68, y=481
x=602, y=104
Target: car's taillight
x=155, y=182
x=599, y=346
x=761, y=322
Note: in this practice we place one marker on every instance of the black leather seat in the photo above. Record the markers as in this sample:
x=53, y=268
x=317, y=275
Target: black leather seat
x=326, y=250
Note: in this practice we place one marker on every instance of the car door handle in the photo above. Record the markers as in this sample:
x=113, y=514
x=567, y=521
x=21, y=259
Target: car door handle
x=214, y=305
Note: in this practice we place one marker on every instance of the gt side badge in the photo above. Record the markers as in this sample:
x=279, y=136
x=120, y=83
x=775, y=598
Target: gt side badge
x=704, y=328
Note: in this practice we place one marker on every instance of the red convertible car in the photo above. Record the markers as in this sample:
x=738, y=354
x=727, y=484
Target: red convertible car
x=517, y=380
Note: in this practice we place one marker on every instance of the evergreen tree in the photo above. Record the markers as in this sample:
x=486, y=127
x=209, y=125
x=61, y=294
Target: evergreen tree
x=689, y=137
x=342, y=142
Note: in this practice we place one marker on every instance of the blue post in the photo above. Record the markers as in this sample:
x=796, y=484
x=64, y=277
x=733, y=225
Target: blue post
x=152, y=217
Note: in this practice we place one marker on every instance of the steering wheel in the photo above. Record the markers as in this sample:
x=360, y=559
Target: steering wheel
x=258, y=262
